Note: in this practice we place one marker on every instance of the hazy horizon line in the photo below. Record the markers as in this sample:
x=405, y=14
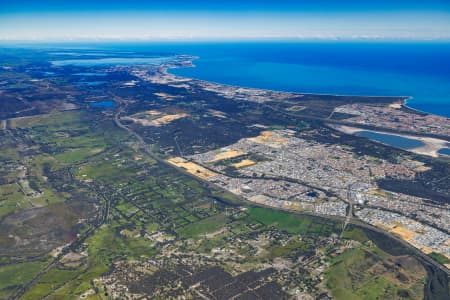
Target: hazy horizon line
x=224, y=39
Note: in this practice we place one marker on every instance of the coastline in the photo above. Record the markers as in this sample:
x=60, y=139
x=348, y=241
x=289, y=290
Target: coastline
x=272, y=90
x=405, y=99
x=431, y=146
x=405, y=105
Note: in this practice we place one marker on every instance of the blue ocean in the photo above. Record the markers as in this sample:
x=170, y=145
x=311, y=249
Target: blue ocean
x=420, y=70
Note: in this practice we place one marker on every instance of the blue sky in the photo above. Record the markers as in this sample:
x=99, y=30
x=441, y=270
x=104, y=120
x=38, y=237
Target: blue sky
x=232, y=19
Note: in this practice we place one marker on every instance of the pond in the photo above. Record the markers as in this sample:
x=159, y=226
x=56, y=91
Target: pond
x=102, y=104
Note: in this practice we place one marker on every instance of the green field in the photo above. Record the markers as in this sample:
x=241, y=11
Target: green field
x=202, y=227
x=293, y=223
x=440, y=258
x=16, y=275
x=356, y=234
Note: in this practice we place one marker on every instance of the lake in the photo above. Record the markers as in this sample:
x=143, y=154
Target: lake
x=444, y=151
x=390, y=139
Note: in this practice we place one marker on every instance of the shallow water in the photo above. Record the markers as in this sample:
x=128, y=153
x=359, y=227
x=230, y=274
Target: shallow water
x=112, y=61
x=90, y=74
x=445, y=151
x=102, y=104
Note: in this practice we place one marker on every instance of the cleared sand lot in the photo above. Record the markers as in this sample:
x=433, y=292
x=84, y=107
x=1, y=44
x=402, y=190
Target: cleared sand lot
x=191, y=167
x=154, y=118
x=270, y=138
x=243, y=163
x=227, y=155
